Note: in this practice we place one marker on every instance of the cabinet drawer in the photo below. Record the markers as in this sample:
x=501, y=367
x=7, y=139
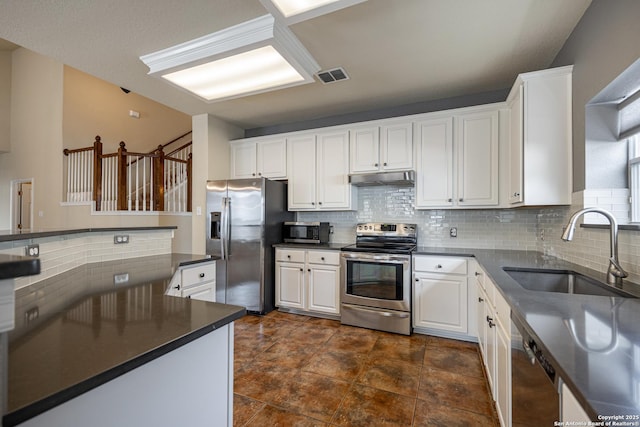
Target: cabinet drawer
x=440, y=264
x=289, y=255
x=324, y=257
x=198, y=274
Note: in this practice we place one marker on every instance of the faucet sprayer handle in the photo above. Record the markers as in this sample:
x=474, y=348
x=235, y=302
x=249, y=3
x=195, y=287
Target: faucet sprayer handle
x=618, y=271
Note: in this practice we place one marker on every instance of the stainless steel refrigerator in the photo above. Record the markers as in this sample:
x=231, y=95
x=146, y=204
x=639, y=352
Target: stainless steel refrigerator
x=245, y=219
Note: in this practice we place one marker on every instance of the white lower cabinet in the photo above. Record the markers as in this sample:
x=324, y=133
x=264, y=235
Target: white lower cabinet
x=571, y=410
x=440, y=293
x=195, y=282
x=308, y=280
x=494, y=339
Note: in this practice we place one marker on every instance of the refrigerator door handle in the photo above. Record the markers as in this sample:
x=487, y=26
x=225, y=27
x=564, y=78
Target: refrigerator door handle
x=227, y=231
x=223, y=227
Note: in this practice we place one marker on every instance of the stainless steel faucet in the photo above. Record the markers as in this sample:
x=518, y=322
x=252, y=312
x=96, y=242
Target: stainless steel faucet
x=615, y=273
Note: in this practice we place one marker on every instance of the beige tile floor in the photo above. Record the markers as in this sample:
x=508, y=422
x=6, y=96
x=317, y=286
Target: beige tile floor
x=293, y=370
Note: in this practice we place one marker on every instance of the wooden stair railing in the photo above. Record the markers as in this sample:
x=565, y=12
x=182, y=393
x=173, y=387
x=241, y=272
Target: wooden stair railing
x=122, y=192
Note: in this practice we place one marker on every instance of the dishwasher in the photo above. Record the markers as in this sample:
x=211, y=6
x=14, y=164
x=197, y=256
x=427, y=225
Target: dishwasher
x=535, y=398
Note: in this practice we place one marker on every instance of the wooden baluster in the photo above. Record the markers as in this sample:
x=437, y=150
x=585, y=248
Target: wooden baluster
x=97, y=172
x=122, y=177
x=158, y=179
x=189, y=175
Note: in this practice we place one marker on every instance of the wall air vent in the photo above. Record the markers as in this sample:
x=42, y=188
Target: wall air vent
x=331, y=76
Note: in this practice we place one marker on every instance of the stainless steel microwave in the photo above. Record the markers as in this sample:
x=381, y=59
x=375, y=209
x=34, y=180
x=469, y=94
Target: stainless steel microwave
x=305, y=232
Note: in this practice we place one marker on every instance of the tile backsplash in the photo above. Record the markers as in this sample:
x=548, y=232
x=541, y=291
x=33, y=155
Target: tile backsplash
x=536, y=229
x=65, y=252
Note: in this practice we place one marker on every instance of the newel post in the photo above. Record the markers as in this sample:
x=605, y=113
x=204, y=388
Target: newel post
x=189, y=175
x=122, y=177
x=97, y=173
x=158, y=179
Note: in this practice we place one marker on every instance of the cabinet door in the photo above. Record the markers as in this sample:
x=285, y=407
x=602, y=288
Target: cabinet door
x=364, y=150
x=434, y=180
x=324, y=288
x=440, y=302
x=571, y=408
x=290, y=285
x=477, y=153
x=205, y=292
x=301, y=165
x=243, y=159
x=516, y=193
x=481, y=322
x=491, y=347
x=334, y=190
x=396, y=147
x=503, y=376
x=272, y=159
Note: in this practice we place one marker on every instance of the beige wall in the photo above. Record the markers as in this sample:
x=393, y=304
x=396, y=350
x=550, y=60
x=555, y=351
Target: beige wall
x=5, y=100
x=54, y=106
x=94, y=107
x=36, y=137
x=211, y=141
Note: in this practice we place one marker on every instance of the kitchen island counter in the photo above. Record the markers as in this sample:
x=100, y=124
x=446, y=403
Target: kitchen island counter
x=592, y=341
x=83, y=328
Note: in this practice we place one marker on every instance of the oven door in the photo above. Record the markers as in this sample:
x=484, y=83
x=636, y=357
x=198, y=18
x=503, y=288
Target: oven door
x=376, y=280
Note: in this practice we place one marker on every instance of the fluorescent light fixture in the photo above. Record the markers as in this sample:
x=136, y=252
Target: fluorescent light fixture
x=293, y=11
x=253, y=57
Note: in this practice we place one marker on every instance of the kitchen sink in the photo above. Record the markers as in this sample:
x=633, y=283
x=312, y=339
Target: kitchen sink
x=563, y=281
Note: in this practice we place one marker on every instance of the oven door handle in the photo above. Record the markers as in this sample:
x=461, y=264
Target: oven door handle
x=376, y=311
x=389, y=259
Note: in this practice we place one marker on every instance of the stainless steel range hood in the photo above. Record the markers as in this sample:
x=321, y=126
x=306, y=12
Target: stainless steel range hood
x=406, y=178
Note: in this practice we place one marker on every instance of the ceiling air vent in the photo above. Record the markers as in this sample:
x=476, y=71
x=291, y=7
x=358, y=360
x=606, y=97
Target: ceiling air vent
x=330, y=76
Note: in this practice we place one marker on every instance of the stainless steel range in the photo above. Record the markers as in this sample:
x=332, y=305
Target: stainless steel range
x=376, y=277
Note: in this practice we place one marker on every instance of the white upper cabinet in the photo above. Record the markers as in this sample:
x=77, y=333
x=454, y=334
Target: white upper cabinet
x=477, y=151
x=434, y=180
x=263, y=158
x=540, y=170
x=388, y=147
x=457, y=160
x=301, y=159
x=319, y=172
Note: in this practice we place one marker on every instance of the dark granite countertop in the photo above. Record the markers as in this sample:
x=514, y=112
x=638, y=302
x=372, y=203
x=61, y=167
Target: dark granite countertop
x=89, y=325
x=12, y=266
x=598, y=356
x=11, y=235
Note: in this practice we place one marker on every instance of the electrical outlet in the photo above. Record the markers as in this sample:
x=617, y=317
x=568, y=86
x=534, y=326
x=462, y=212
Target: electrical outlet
x=453, y=232
x=121, y=278
x=121, y=239
x=31, y=315
x=32, y=250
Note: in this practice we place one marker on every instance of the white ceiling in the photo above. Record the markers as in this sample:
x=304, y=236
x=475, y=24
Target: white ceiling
x=396, y=52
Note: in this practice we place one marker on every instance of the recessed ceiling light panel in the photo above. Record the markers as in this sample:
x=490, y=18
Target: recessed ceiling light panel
x=254, y=57
x=293, y=11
